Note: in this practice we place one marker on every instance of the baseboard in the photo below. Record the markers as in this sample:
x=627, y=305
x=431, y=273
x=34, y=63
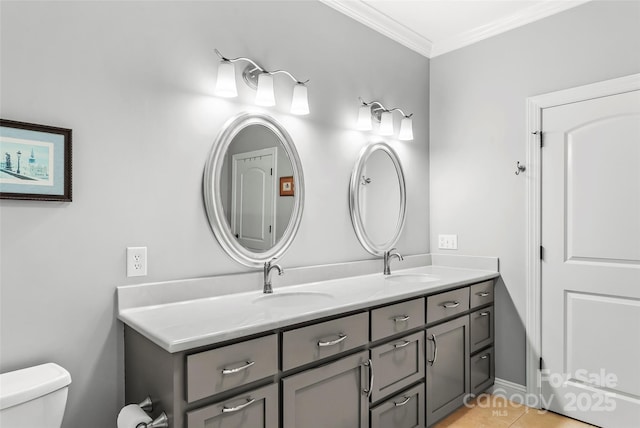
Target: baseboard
x=513, y=391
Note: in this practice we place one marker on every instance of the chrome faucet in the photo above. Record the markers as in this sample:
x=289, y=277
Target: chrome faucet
x=268, y=267
x=388, y=255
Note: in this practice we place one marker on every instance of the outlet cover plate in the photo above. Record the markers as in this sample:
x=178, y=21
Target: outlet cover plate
x=136, y=261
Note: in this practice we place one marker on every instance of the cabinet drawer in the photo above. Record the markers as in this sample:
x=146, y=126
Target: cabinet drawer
x=481, y=328
x=221, y=369
x=315, y=342
x=481, y=294
x=397, y=365
x=256, y=409
x=397, y=318
x=482, y=371
x=405, y=410
x=444, y=305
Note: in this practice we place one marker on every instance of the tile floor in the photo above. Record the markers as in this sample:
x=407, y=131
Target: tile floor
x=489, y=411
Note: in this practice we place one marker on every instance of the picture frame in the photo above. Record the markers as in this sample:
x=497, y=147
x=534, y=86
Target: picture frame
x=287, y=186
x=35, y=162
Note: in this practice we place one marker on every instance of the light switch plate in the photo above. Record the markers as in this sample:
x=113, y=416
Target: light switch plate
x=448, y=242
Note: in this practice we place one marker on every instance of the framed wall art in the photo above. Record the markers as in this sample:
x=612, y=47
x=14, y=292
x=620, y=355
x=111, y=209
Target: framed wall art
x=35, y=162
x=286, y=186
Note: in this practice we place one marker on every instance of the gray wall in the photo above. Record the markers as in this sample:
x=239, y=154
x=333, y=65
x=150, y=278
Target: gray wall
x=478, y=126
x=134, y=80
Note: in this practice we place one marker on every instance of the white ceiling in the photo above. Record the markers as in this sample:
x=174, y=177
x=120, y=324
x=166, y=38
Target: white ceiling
x=434, y=27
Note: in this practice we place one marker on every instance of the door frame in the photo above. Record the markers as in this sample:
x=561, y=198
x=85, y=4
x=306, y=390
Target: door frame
x=535, y=106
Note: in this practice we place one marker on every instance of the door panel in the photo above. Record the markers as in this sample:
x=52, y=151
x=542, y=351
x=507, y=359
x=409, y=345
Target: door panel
x=591, y=265
x=252, y=206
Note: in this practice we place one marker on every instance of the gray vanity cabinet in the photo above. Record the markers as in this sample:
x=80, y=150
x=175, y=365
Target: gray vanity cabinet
x=447, y=367
x=332, y=395
x=256, y=409
x=397, y=364
x=405, y=410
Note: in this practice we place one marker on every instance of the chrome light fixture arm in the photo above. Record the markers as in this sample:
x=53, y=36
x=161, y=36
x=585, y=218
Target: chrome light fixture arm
x=250, y=74
x=377, y=108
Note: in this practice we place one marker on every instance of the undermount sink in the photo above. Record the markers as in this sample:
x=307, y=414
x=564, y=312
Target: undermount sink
x=293, y=298
x=412, y=277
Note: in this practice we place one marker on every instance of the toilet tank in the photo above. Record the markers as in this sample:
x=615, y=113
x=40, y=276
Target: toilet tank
x=34, y=397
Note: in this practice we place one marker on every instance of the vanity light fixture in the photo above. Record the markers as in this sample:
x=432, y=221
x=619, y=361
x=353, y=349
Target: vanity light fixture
x=260, y=79
x=380, y=113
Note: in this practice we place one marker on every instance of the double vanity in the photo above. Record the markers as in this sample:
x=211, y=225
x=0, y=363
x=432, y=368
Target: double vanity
x=365, y=351
x=353, y=345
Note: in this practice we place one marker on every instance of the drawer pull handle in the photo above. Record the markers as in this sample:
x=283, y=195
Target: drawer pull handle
x=483, y=314
x=401, y=345
x=401, y=318
x=449, y=305
x=341, y=337
x=484, y=357
x=483, y=294
x=435, y=350
x=239, y=407
x=403, y=402
x=238, y=369
x=368, y=391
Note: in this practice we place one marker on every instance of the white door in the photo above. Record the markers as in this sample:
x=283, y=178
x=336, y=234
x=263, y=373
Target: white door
x=591, y=260
x=252, y=198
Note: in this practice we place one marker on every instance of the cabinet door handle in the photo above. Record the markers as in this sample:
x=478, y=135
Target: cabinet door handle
x=435, y=350
x=483, y=314
x=401, y=318
x=401, y=344
x=238, y=369
x=484, y=357
x=403, y=402
x=340, y=338
x=483, y=293
x=368, y=391
x=448, y=305
x=239, y=407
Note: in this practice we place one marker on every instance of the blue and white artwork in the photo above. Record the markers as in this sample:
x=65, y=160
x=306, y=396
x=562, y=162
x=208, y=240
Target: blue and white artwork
x=32, y=162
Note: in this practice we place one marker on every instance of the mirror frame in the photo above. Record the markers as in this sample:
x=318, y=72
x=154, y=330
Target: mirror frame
x=213, y=196
x=354, y=197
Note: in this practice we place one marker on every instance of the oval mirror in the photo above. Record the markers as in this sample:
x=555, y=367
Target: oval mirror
x=377, y=198
x=254, y=189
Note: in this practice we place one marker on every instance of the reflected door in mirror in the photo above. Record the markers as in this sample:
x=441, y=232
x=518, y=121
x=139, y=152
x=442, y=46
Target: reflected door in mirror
x=252, y=195
x=380, y=198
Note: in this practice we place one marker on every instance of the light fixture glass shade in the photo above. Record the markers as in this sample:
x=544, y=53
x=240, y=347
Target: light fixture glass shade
x=226, y=83
x=300, y=102
x=406, y=129
x=364, y=118
x=264, y=96
x=386, y=123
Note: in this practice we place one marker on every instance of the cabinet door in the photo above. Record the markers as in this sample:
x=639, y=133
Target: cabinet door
x=447, y=367
x=405, y=410
x=256, y=409
x=333, y=395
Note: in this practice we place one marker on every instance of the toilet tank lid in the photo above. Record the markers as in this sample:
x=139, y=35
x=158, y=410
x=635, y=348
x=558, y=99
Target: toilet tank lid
x=23, y=385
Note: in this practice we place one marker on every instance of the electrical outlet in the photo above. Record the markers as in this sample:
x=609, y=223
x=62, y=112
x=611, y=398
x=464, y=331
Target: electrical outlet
x=136, y=261
x=448, y=242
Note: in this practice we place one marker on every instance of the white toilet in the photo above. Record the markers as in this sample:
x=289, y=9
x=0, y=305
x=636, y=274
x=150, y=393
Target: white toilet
x=34, y=397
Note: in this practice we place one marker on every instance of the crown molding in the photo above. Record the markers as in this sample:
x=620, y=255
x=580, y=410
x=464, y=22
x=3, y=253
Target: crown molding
x=524, y=17
x=371, y=17
x=383, y=24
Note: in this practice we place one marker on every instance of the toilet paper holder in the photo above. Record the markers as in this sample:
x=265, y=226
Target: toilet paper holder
x=161, y=421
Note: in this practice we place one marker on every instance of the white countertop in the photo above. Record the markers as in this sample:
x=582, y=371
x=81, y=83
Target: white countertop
x=179, y=326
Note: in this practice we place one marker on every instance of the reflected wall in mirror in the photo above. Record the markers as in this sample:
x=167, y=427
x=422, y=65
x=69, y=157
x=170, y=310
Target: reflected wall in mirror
x=377, y=198
x=247, y=213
